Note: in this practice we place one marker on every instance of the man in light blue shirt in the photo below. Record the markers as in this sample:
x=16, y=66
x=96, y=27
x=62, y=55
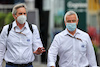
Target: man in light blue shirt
x=18, y=48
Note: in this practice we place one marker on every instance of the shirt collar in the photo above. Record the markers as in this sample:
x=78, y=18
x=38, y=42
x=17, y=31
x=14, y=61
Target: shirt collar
x=66, y=32
x=15, y=25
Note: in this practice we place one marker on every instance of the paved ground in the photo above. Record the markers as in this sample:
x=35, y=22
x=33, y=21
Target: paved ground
x=39, y=64
x=36, y=64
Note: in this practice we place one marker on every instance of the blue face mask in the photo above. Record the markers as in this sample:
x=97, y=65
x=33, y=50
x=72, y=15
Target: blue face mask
x=71, y=26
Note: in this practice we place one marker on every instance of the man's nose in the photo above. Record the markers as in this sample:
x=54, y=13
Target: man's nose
x=22, y=13
x=71, y=21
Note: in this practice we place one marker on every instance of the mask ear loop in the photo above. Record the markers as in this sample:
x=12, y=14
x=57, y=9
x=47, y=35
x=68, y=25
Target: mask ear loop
x=15, y=15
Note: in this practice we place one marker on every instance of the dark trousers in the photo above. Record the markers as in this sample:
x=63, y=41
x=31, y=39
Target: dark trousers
x=18, y=66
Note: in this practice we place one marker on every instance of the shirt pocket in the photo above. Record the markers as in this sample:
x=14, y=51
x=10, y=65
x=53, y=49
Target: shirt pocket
x=82, y=48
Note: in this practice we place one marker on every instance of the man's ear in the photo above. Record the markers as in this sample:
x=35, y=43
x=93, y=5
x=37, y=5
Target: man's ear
x=14, y=16
x=65, y=23
x=77, y=22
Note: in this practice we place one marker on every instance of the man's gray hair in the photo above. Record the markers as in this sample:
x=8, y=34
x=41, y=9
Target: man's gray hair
x=14, y=11
x=70, y=13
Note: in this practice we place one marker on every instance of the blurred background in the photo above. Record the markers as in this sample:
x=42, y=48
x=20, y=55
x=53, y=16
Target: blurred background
x=48, y=16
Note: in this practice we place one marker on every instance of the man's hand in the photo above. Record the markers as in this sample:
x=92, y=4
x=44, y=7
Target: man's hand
x=39, y=50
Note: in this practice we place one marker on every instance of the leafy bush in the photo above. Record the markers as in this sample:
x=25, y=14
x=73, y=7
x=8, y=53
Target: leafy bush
x=5, y=18
x=9, y=18
x=95, y=48
x=2, y=17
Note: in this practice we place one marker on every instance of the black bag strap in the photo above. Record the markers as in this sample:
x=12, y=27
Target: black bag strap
x=9, y=28
x=30, y=26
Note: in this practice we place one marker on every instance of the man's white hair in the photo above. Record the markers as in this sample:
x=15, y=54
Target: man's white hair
x=14, y=11
x=70, y=13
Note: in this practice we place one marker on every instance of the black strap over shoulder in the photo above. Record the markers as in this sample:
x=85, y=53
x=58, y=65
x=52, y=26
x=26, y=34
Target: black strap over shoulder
x=9, y=28
x=30, y=26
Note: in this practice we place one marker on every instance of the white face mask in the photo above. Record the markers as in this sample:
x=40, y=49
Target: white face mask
x=21, y=19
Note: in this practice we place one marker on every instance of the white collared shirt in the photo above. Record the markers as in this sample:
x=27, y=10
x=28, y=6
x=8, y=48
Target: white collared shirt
x=19, y=47
x=71, y=50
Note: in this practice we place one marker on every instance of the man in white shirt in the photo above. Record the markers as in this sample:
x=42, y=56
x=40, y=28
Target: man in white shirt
x=72, y=45
x=18, y=48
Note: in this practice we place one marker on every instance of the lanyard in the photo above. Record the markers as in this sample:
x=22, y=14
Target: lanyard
x=74, y=37
x=20, y=31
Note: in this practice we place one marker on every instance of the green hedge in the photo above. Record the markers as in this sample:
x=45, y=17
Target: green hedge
x=9, y=18
x=5, y=18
